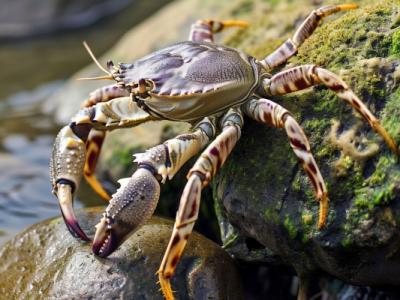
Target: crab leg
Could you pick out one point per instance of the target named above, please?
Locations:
(273, 114)
(199, 176)
(137, 197)
(96, 137)
(203, 30)
(69, 151)
(305, 76)
(290, 46)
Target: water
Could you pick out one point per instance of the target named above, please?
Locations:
(34, 70)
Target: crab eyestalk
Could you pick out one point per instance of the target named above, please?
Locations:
(66, 168)
(132, 204)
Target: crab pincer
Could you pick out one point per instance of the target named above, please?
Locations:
(66, 169)
(132, 204)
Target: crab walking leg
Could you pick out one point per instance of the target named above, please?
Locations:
(69, 151)
(199, 176)
(167, 159)
(305, 76)
(104, 94)
(203, 30)
(290, 46)
(96, 137)
(273, 114)
(137, 197)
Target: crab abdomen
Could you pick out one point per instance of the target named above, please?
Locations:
(192, 80)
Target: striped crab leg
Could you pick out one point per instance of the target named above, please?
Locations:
(305, 76)
(95, 139)
(136, 199)
(271, 113)
(203, 30)
(290, 46)
(199, 176)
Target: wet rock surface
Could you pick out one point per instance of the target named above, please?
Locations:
(46, 262)
(272, 202)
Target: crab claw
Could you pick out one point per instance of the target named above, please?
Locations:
(132, 204)
(64, 195)
(66, 168)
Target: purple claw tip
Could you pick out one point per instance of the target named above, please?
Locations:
(74, 228)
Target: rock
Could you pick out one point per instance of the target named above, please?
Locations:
(46, 262)
(265, 196)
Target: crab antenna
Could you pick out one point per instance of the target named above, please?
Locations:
(96, 78)
(94, 58)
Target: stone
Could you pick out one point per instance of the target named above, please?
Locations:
(272, 201)
(46, 262)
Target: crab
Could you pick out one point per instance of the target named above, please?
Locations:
(208, 85)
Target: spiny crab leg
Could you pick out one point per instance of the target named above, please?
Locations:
(305, 76)
(273, 114)
(290, 46)
(69, 151)
(136, 199)
(199, 176)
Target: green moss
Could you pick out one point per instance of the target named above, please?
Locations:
(379, 176)
(370, 198)
(341, 42)
(123, 157)
(290, 227)
(271, 215)
(391, 115)
(395, 47)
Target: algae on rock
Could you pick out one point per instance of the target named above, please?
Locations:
(272, 200)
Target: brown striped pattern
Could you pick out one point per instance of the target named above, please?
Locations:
(273, 114)
(201, 31)
(104, 94)
(305, 76)
(199, 176)
(290, 46)
(93, 148)
(280, 55)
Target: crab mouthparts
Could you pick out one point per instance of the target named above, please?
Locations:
(64, 195)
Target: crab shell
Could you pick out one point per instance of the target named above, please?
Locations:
(192, 80)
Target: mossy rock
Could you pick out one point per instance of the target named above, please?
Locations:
(263, 194)
(46, 262)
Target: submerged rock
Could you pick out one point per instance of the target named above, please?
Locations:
(46, 262)
(272, 201)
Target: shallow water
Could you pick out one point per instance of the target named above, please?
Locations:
(35, 69)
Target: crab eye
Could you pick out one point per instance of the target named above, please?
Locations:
(110, 64)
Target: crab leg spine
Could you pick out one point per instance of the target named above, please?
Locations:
(271, 113)
(199, 176)
(290, 46)
(305, 76)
